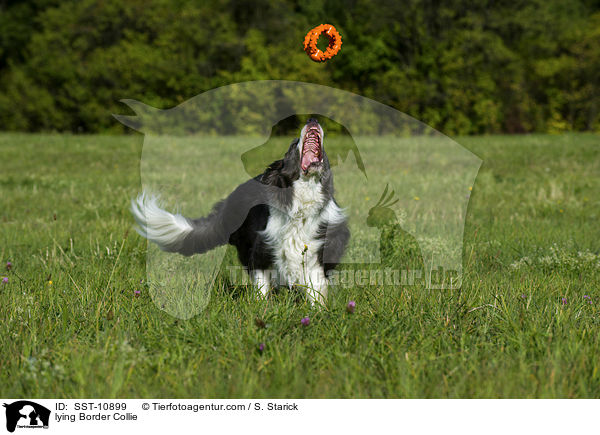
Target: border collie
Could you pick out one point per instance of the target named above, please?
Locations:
(285, 223)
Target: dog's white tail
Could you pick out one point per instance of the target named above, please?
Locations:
(177, 233)
(167, 230)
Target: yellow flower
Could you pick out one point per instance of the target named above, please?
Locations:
(49, 282)
(417, 198)
(470, 187)
(561, 210)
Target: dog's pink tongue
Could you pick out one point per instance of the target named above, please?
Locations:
(307, 158)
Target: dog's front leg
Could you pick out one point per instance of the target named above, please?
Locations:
(317, 287)
(262, 281)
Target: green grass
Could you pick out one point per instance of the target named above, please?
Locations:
(531, 239)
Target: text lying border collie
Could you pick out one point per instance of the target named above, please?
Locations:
(283, 222)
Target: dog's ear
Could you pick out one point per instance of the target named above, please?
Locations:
(280, 175)
(293, 150)
(285, 167)
(291, 162)
(271, 175)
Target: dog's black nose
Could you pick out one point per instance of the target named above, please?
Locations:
(311, 120)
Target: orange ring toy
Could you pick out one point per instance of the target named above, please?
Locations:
(311, 38)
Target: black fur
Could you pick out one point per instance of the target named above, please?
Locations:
(239, 219)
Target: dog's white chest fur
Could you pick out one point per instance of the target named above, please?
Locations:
(292, 234)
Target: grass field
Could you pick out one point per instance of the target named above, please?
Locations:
(77, 319)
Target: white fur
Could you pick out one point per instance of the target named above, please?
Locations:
(159, 226)
(263, 280)
(292, 234)
(333, 214)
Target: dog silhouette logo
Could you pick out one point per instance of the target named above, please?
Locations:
(191, 160)
(26, 414)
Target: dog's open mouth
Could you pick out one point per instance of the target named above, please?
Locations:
(312, 141)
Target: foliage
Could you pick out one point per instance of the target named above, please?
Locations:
(462, 67)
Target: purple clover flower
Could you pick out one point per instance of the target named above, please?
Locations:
(351, 306)
(305, 321)
(261, 347)
(586, 297)
(5, 280)
(8, 265)
(564, 301)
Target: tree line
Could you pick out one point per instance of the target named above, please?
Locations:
(462, 67)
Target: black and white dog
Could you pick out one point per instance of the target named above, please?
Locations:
(285, 223)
